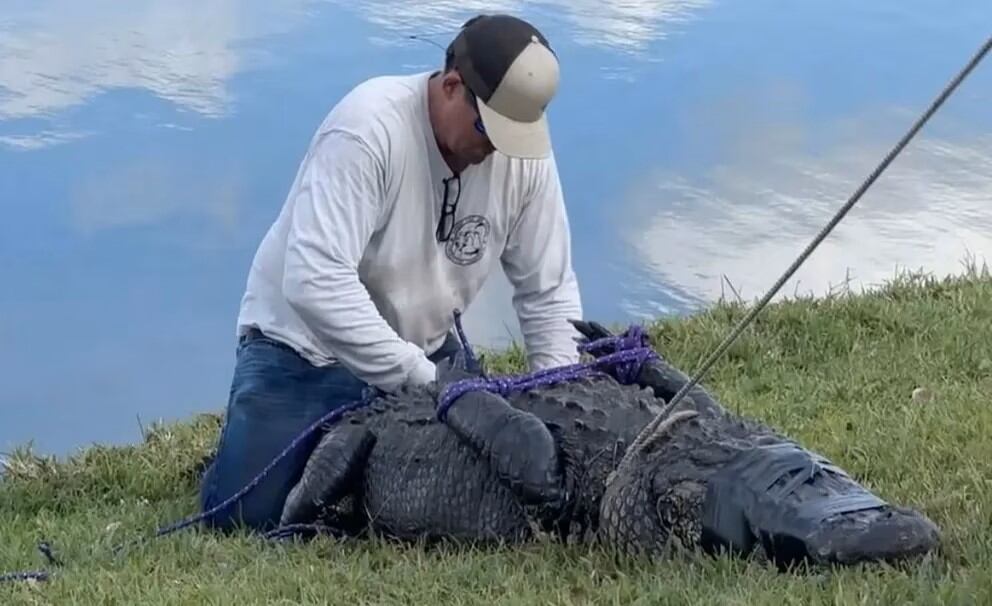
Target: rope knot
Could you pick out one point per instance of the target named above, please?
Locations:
(634, 337)
(634, 340)
(622, 356)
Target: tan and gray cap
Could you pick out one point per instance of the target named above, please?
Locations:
(510, 67)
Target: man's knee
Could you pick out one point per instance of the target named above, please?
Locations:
(252, 441)
(265, 414)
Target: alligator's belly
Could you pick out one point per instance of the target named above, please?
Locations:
(427, 484)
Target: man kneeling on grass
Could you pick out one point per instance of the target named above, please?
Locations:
(398, 213)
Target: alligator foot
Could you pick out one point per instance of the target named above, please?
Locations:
(798, 506)
(329, 473)
(518, 446)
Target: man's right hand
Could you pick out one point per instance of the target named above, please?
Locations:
(423, 374)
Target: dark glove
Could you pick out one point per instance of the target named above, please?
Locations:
(591, 331)
(455, 368)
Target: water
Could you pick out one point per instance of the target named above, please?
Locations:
(146, 146)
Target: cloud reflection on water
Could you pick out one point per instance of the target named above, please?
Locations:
(202, 107)
(748, 219)
(59, 54)
(617, 25)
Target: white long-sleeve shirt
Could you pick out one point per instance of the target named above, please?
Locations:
(351, 272)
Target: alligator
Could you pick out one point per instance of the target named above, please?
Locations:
(599, 458)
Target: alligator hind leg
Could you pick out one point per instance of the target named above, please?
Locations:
(329, 473)
(518, 446)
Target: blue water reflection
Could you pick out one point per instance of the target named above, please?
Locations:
(145, 149)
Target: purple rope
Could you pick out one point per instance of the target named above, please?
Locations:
(625, 353)
(33, 575)
(634, 337)
(24, 576)
(330, 417)
(470, 360)
(288, 530)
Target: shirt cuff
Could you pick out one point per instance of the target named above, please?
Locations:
(424, 372)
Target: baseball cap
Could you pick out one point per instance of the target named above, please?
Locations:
(510, 67)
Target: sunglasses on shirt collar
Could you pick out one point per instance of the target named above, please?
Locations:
(446, 223)
(475, 103)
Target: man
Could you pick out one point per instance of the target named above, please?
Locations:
(398, 213)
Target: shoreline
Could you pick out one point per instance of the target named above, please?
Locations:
(841, 374)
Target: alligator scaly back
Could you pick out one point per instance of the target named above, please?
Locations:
(498, 468)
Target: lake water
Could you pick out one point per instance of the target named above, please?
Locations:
(145, 146)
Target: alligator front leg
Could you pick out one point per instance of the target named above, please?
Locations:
(664, 379)
(517, 445)
(329, 473)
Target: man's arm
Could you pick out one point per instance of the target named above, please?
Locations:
(538, 264)
(335, 212)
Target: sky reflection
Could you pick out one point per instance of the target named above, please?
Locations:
(746, 223)
(145, 149)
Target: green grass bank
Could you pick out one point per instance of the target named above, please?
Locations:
(837, 373)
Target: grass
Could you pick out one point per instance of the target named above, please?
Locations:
(836, 372)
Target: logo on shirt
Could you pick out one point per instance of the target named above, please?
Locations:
(468, 240)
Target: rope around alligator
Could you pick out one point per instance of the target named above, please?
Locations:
(628, 352)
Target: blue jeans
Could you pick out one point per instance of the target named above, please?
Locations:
(275, 395)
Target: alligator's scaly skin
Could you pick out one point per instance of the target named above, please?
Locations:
(495, 473)
(672, 480)
(421, 479)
